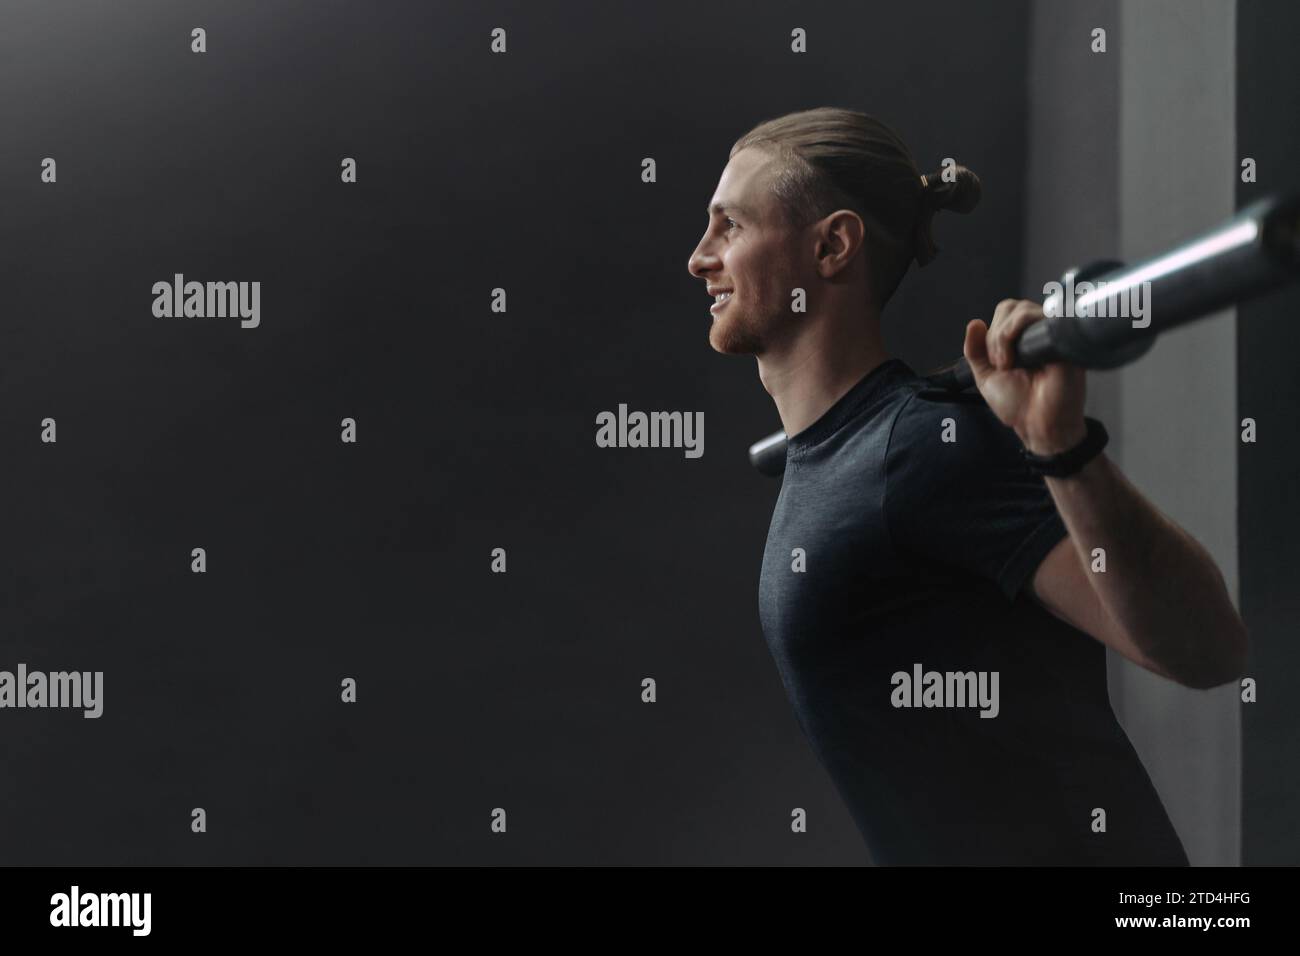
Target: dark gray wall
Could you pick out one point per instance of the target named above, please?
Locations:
(1268, 471)
(476, 429)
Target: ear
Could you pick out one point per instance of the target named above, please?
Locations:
(840, 236)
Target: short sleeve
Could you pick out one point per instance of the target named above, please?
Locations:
(971, 502)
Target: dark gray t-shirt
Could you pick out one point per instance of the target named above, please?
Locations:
(916, 556)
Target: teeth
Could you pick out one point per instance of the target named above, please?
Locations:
(722, 296)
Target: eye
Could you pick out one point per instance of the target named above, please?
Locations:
(732, 222)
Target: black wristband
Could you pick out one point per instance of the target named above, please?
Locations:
(1069, 461)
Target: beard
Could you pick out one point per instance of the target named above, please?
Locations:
(735, 333)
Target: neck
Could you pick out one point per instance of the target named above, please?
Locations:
(808, 374)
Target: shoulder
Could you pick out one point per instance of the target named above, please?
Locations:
(935, 428)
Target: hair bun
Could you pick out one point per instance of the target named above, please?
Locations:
(960, 195)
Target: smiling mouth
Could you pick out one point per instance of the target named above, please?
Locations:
(720, 303)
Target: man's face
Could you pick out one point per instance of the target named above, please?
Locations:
(749, 250)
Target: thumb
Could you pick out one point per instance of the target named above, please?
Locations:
(976, 352)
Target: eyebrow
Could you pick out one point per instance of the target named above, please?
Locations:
(721, 207)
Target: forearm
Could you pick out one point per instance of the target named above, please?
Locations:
(1160, 586)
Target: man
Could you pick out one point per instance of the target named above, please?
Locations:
(912, 539)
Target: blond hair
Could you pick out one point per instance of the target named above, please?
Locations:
(832, 158)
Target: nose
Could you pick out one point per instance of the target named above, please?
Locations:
(701, 261)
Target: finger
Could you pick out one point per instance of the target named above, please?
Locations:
(975, 350)
(1003, 349)
(1000, 314)
(1005, 306)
